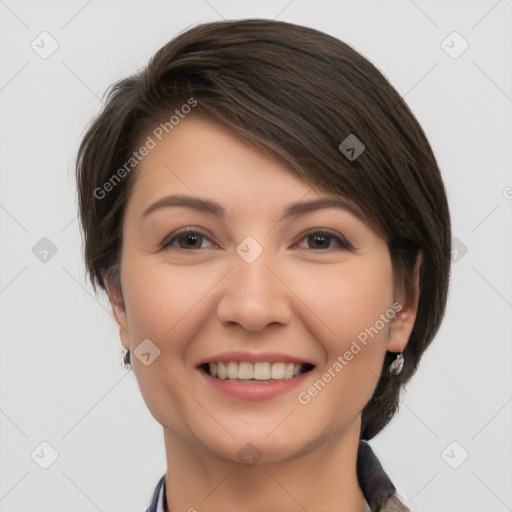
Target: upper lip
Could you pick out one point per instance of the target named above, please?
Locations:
(255, 357)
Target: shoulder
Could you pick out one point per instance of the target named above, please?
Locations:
(158, 502)
(394, 504)
(377, 487)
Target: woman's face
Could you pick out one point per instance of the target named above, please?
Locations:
(253, 278)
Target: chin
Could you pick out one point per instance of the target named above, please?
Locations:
(256, 447)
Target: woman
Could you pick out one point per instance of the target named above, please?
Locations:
(272, 229)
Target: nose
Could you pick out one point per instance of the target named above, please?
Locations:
(254, 295)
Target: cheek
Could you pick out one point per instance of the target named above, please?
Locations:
(159, 306)
(350, 304)
(157, 299)
(167, 305)
(349, 299)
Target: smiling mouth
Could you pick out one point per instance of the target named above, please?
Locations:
(244, 371)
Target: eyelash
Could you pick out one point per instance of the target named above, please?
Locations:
(167, 243)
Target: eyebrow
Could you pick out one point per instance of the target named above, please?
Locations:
(214, 208)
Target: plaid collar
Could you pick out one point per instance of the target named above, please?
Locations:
(377, 488)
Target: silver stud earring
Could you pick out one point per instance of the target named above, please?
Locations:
(396, 367)
(126, 358)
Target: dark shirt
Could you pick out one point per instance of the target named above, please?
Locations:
(377, 488)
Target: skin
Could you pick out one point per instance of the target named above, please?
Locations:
(294, 298)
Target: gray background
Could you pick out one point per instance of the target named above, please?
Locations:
(61, 377)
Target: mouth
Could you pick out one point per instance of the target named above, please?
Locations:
(259, 372)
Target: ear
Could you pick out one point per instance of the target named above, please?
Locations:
(115, 295)
(407, 308)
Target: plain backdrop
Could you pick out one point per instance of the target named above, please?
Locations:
(61, 380)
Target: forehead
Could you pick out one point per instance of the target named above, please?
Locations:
(200, 158)
(207, 152)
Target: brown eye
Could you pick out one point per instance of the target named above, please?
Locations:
(323, 239)
(193, 240)
(186, 239)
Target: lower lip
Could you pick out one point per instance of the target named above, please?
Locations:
(253, 391)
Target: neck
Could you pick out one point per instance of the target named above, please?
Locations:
(322, 477)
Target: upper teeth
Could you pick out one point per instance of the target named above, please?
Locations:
(259, 371)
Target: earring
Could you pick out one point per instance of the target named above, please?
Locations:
(396, 367)
(126, 358)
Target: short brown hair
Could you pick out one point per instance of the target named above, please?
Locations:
(294, 93)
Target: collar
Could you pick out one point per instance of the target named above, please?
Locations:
(377, 488)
